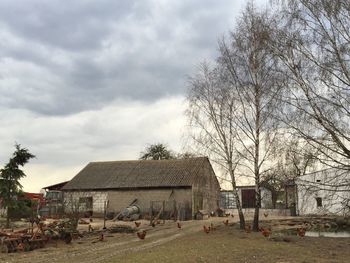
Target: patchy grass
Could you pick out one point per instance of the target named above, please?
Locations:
(228, 244)
(167, 243)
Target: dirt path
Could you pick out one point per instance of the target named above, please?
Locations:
(88, 249)
(167, 242)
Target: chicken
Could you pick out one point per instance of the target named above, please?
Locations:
(226, 222)
(90, 229)
(137, 224)
(206, 229)
(266, 214)
(232, 215)
(153, 224)
(266, 232)
(178, 225)
(20, 247)
(248, 228)
(90, 219)
(141, 235)
(101, 238)
(158, 221)
(301, 232)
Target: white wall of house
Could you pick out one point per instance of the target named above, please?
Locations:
(323, 193)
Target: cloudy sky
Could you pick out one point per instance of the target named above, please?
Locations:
(99, 80)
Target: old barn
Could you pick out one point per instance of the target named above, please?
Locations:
(182, 187)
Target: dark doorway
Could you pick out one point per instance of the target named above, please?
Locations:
(248, 198)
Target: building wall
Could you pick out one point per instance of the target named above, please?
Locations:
(228, 201)
(118, 199)
(71, 199)
(326, 186)
(206, 191)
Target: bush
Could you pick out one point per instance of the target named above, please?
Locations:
(22, 209)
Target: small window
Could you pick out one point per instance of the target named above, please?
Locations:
(318, 181)
(319, 201)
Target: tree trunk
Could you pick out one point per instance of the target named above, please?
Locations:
(256, 160)
(236, 196)
(7, 217)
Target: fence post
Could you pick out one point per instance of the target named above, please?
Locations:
(151, 213)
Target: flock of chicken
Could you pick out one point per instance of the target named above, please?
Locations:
(265, 231)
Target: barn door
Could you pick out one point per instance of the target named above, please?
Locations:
(198, 201)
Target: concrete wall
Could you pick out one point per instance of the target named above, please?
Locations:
(319, 185)
(121, 199)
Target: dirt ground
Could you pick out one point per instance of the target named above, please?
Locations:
(167, 243)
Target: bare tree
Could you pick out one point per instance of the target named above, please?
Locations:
(211, 111)
(313, 43)
(295, 158)
(252, 71)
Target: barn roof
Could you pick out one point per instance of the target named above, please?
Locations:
(139, 174)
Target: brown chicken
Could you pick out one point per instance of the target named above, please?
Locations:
(226, 222)
(137, 224)
(158, 222)
(178, 225)
(266, 232)
(266, 214)
(20, 247)
(248, 228)
(153, 224)
(301, 232)
(206, 229)
(141, 235)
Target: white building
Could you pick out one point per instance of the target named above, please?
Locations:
(324, 192)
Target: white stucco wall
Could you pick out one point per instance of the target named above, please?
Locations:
(329, 185)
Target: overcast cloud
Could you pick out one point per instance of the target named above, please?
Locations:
(98, 80)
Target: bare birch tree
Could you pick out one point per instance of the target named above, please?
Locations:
(253, 74)
(212, 108)
(313, 42)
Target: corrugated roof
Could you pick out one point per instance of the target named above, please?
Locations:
(139, 174)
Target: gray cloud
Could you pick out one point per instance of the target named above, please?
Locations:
(98, 80)
(61, 58)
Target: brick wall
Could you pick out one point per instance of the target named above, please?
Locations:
(98, 199)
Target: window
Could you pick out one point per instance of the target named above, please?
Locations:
(227, 200)
(87, 202)
(319, 201)
(318, 181)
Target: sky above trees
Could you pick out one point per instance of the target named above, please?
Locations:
(99, 80)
